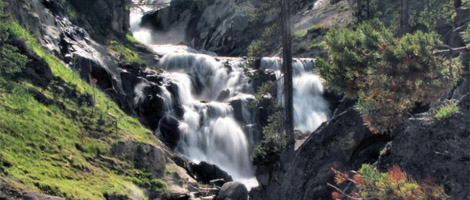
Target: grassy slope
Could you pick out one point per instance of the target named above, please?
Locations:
(61, 149)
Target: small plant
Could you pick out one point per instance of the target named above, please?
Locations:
(447, 111)
(369, 183)
(125, 54)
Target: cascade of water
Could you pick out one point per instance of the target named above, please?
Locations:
(310, 108)
(206, 85)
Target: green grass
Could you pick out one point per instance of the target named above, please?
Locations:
(125, 54)
(130, 38)
(446, 111)
(61, 148)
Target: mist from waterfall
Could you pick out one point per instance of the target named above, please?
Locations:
(206, 84)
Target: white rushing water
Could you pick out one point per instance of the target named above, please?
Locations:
(206, 84)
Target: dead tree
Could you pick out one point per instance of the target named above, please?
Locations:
(287, 70)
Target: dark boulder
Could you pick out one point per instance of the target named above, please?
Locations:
(93, 72)
(169, 131)
(233, 191)
(434, 149)
(340, 143)
(206, 172)
(144, 156)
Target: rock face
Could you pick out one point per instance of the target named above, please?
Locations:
(233, 191)
(214, 25)
(342, 143)
(145, 156)
(104, 16)
(431, 149)
(206, 172)
(8, 191)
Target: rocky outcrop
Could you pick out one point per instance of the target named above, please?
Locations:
(10, 191)
(144, 156)
(214, 25)
(206, 172)
(342, 143)
(435, 150)
(103, 16)
(233, 191)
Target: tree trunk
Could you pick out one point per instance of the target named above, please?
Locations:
(457, 4)
(287, 70)
(405, 17)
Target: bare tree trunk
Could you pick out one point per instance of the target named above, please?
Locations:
(457, 4)
(405, 17)
(287, 70)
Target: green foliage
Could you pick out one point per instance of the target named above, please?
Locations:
(265, 43)
(154, 185)
(466, 36)
(273, 143)
(394, 184)
(262, 91)
(386, 75)
(131, 39)
(12, 62)
(125, 54)
(423, 13)
(446, 111)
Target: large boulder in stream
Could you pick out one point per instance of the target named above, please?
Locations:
(206, 172)
(233, 191)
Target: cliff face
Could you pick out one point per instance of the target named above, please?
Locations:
(222, 26)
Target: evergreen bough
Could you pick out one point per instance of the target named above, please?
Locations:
(387, 75)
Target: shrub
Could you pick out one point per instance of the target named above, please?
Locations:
(387, 75)
(11, 61)
(272, 144)
(394, 184)
(446, 111)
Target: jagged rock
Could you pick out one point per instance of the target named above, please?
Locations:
(145, 156)
(339, 143)
(92, 70)
(206, 172)
(431, 149)
(33, 195)
(104, 16)
(233, 191)
(169, 131)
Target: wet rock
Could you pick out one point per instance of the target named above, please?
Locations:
(206, 172)
(169, 131)
(233, 191)
(94, 72)
(223, 95)
(145, 156)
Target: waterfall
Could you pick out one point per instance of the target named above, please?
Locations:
(310, 108)
(203, 85)
(208, 129)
